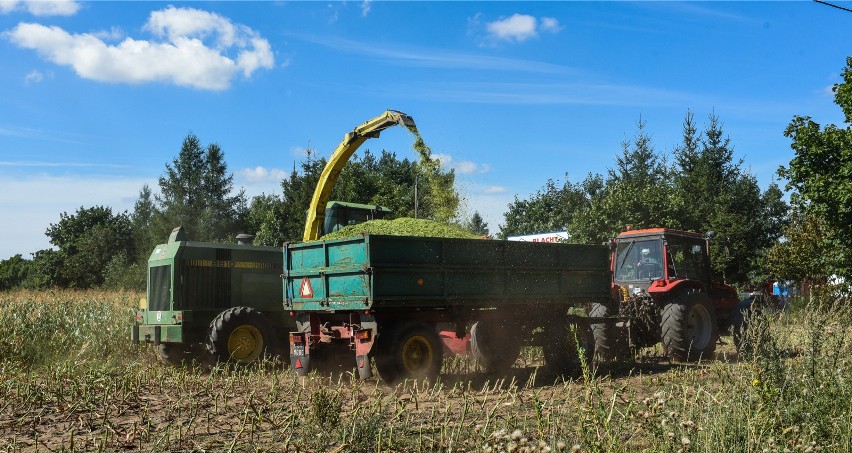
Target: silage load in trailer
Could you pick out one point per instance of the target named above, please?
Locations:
(404, 226)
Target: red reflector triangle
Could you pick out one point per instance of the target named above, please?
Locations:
(298, 363)
(306, 291)
(361, 362)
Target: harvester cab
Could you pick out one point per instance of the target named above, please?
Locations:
(339, 214)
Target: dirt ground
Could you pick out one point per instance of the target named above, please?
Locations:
(198, 410)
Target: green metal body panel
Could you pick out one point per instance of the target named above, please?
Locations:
(403, 272)
(190, 283)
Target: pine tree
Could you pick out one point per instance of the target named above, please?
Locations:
(196, 193)
(477, 225)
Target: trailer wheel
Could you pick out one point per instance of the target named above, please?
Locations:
(409, 351)
(689, 327)
(488, 348)
(611, 342)
(560, 346)
(241, 335)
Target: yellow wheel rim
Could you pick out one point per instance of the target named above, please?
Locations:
(245, 343)
(417, 355)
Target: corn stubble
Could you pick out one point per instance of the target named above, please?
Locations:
(72, 380)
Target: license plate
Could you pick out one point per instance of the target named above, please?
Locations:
(299, 349)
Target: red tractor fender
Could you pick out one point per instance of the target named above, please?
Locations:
(661, 288)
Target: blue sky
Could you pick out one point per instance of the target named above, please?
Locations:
(96, 97)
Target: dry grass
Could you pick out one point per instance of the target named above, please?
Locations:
(73, 381)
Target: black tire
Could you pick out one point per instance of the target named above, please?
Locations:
(611, 342)
(409, 351)
(491, 351)
(560, 347)
(241, 335)
(689, 327)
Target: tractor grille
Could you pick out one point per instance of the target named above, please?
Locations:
(206, 286)
(159, 287)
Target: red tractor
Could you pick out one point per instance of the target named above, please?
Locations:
(666, 294)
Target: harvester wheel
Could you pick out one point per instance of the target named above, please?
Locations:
(611, 342)
(409, 351)
(689, 327)
(561, 348)
(241, 335)
(491, 351)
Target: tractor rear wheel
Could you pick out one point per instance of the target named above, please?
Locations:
(409, 351)
(689, 327)
(241, 335)
(490, 350)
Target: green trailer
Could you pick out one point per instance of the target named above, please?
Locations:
(384, 296)
(213, 299)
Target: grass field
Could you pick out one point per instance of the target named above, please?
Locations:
(73, 381)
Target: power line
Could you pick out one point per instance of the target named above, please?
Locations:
(833, 5)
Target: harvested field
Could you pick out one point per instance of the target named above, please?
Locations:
(72, 380)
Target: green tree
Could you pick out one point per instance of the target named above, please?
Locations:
(477, 225)
(86, 242)
(262, 220)
(196, 192)
(712, 192)
(804, 254)
(552, 208)
(14, 272)
(820, 174)
(636, 193)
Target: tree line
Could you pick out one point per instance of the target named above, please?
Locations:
(700, 187)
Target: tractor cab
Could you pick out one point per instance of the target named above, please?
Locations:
(658, 257)
(659, 263)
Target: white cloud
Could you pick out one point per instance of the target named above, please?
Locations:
(261, 174)
(550, 24)
(495, 189)
(41, 7)
(182, 56)
(365, 8)
(33, 77)
(521, 27)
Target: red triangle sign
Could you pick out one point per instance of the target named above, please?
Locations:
(298, 364)
(306, 291)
